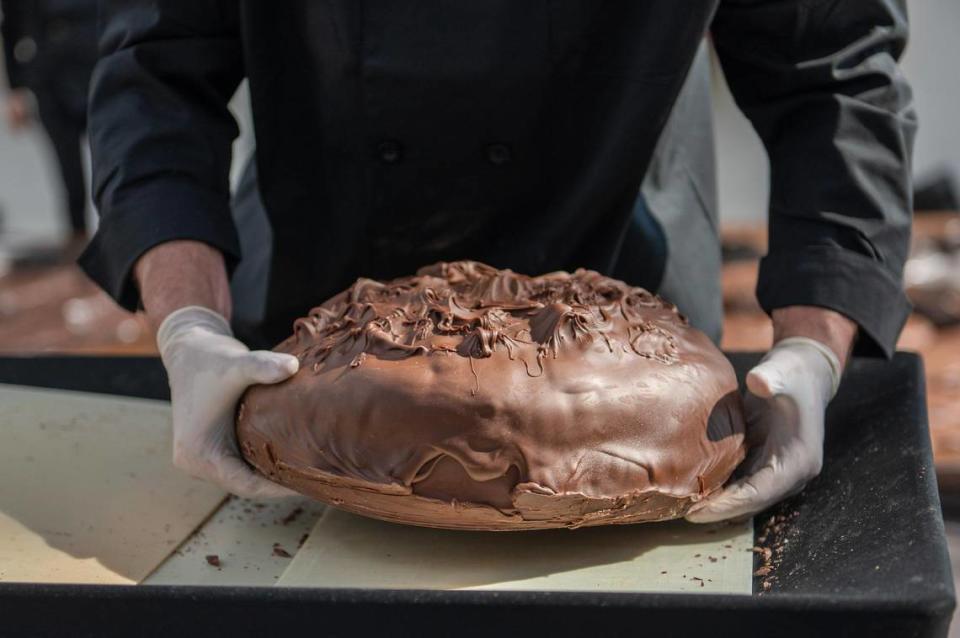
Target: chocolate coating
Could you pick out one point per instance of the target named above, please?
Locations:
(476, 398)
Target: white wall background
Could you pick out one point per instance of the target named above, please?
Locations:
(30, 195)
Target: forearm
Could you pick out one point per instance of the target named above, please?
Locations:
(182, 273)
(826, 326)
(820, 83)
(159, 179)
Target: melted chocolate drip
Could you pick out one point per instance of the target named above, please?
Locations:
(471, 397)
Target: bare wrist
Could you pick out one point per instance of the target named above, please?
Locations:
(182, 273)
(829, 327)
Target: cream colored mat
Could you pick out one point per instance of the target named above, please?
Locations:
(345, 550)
(88, 493)
(253, 542)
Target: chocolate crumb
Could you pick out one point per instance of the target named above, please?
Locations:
(213, 560)
(279, 551)
(292, 516)
(663, 572)
(770, 547)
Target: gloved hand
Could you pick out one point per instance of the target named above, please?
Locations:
(788, 394)
(208, 371)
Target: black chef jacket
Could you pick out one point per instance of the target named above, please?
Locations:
(393, 134)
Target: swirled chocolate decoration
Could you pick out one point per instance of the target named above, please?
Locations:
(476, 398)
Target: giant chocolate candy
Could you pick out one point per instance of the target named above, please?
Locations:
(475, 398)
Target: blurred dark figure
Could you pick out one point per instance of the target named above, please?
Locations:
(50, 48)
(936, 190)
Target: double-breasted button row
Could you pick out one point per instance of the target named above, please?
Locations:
(391, 152)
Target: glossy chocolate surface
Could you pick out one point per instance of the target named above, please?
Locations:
(470, 397)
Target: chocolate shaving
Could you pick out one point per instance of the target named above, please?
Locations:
(771, 541)
(292, 516)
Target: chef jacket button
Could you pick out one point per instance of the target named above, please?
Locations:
(389, 151)
(498, 154)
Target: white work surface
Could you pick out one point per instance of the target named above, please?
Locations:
(345, 550)
(88, 495)
(242, 535)
(87, 490)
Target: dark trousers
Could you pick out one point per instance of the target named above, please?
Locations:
(65, 121)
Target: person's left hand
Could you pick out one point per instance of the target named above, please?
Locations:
(18, 109)
(788, 395)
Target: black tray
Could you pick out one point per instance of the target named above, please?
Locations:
(865, 552)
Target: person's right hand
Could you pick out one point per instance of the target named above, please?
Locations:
(208, 371)
(18, 109)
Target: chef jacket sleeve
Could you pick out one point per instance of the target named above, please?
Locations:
(160, 133)
(11, 30)
(819, 81)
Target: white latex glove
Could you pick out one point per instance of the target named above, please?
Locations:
(208, 371)
(788, 394)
